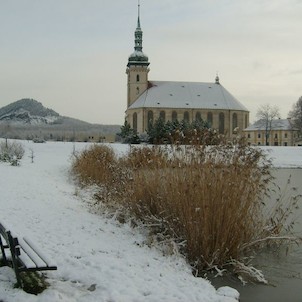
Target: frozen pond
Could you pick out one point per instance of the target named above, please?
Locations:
(284, 272)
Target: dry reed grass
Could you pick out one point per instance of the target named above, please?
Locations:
(207, 199)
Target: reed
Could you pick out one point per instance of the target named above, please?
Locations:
(208, 200)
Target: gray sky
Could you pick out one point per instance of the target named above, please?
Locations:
(71, 55)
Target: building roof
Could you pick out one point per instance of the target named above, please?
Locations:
(187, 95)
(277, 124)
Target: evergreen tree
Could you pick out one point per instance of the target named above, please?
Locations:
(128, 134)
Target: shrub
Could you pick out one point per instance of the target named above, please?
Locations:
(11, 152)
(95, 165)
(99, 166)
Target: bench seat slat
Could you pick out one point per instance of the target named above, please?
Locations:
(26, 261)
(32, 254)
(45, 259)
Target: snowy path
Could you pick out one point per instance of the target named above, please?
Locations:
(97, 259)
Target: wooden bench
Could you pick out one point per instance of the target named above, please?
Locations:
(22, 254)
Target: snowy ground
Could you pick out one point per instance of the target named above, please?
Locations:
(97, 258)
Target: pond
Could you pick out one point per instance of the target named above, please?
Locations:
(282, 270)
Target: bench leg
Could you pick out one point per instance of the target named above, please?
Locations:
(13, 250)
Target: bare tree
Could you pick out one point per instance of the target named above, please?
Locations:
(296, 114)
(267, 114)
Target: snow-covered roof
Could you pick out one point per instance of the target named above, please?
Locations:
(277, 124)
(191, 95)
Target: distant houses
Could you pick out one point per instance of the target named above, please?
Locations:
(278, 132)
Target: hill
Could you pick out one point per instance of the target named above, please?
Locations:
(28, 119)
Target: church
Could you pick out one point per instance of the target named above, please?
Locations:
(149, 100)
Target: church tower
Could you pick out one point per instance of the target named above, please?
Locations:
(137, 67)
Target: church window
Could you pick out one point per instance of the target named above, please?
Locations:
(162, 116)
(210, 119)
(221, 123)
(174, 116)
(134, 121)
(198, 117)
(137, 90)
(150, 119)
(186, 117)
(137, 78)
(235, 121)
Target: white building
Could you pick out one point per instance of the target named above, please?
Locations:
(168, 100)
(280, 132)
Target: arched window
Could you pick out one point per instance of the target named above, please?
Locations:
(186, 117)
(198, 117)
(137, 78)
(134, 121)
(137, 90)
(174, 116)
(221, 123)
(210, 119)
(150, 119)
(162, 116)
(235, 121)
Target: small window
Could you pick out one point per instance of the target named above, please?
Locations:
(259, 135)
(285, 143)
(235, 121)
(285, 135)
(210, 119)
(174, 116)
(198, 117)
(186, 117)
(150, 119)
(134, 121)
(137, 90)
(137, 78)
(221, 123)
(162, 116)
(276, 135)
(248, 136)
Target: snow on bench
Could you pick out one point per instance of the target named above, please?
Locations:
(24, 255)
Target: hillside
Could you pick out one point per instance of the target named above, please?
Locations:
(28, 119)
(28, 111)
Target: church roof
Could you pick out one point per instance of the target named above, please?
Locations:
(187, 95)
(277, 124)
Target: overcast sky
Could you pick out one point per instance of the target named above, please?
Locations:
(71, 55)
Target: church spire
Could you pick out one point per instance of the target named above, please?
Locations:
(138, 57)
(138, 32)
(138, 14)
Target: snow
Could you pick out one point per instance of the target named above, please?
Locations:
(98, 259)
(284, 157)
